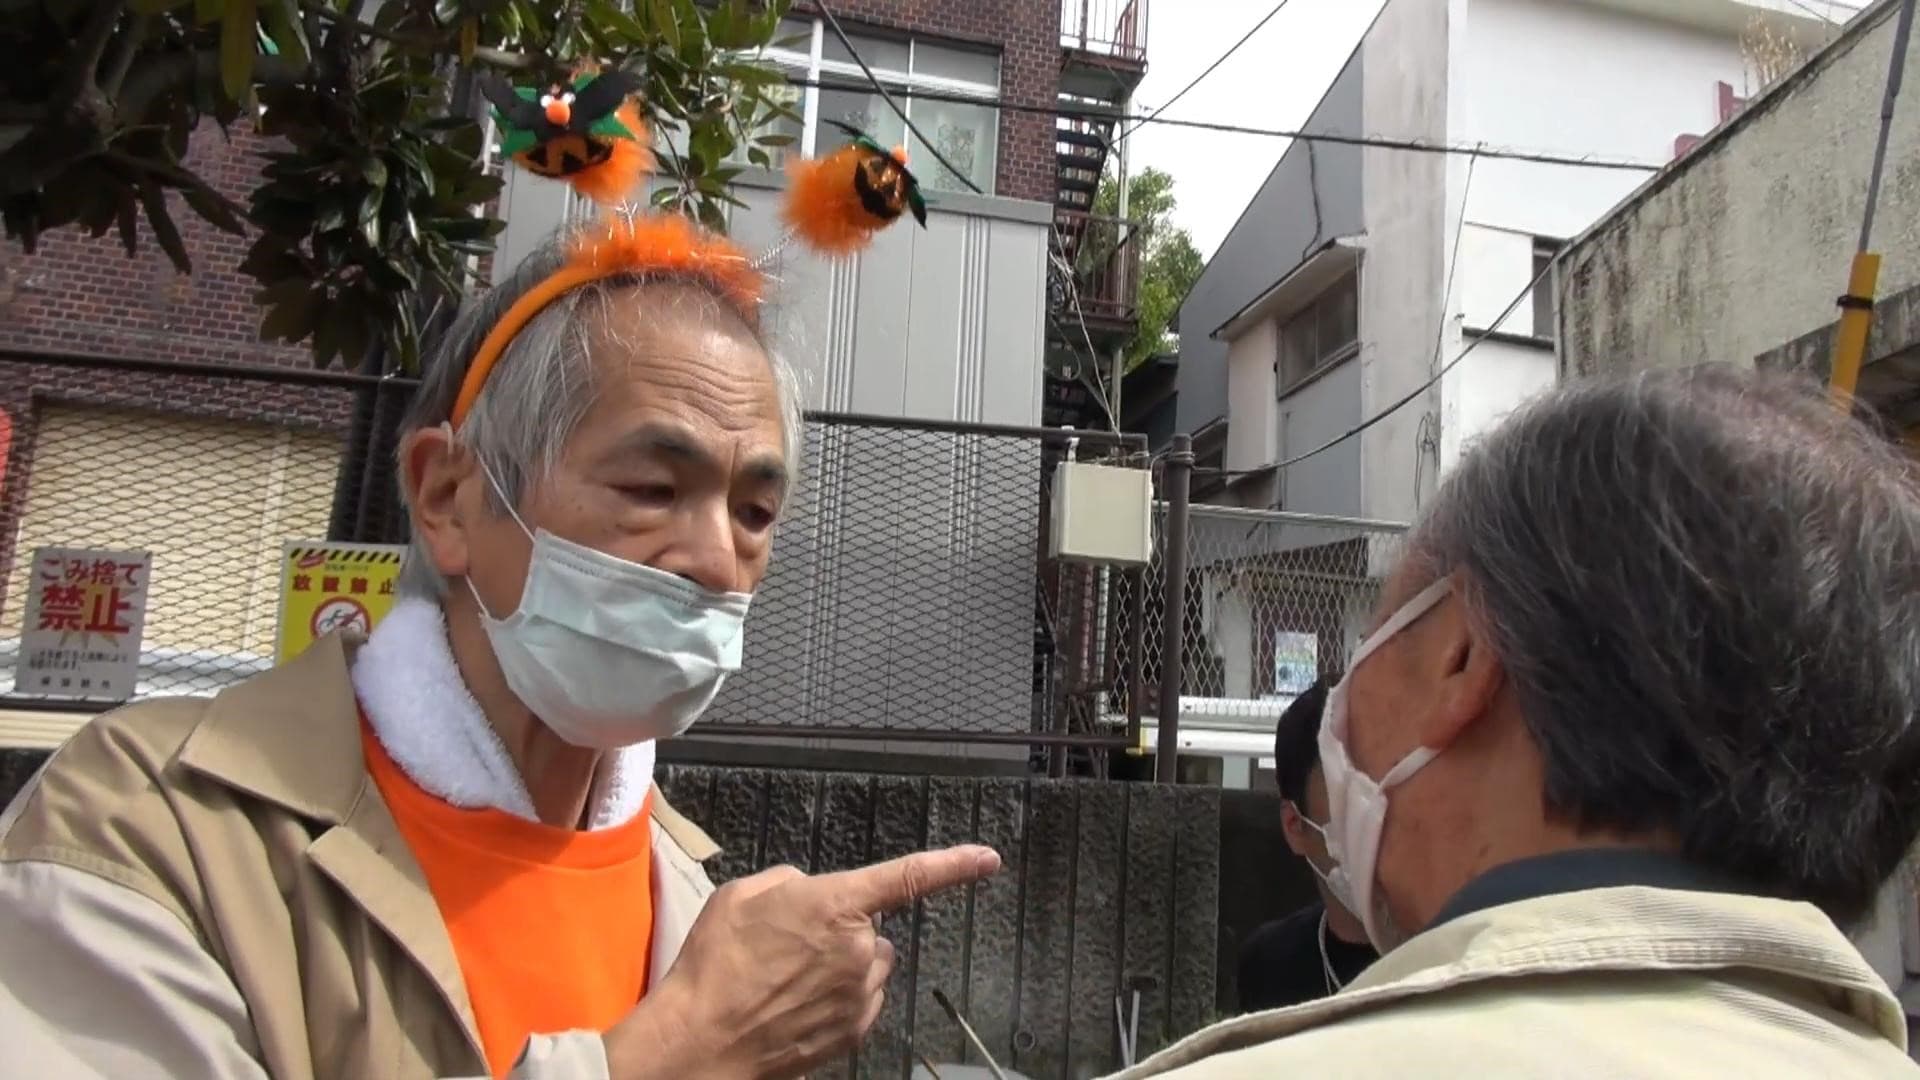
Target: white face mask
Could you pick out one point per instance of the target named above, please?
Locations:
(1334, 880)
(609, 653)
(1357, 804)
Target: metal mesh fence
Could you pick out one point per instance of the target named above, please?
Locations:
(909, 597)
(205, 474)
(1274, 600)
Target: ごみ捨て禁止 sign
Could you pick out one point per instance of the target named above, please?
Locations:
(86, 609)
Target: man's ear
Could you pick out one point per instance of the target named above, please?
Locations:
(432, 469)
(1468, 676)
(1292, 829)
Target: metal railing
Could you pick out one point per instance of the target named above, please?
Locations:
(1108, 28)
(910, 596)
(1105, 254)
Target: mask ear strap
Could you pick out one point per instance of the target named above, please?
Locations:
(494, 483)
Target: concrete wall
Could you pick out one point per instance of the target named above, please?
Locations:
(1743, 245)
(1312, 415)
(914, 326)
(1313, 195)
(1406, 96)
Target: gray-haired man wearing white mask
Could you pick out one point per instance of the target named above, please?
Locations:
(1635, 732)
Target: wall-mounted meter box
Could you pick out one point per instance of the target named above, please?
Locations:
(1102, 514)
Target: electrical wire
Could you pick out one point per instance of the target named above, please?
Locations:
(1824, 17)
(1363, 425)
(1197, 79)
(874, 81)
(1421, 146)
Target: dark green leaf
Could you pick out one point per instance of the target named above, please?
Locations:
(326, 340)
(215, 208)
(161, 222)
(759, 157)
(237, 47)
(285, 29)
(154, 7)
(370, 215)
(665, 22)
(130, 221)
(777, 138)
(269, 260)
(292, 318)
(374, 172)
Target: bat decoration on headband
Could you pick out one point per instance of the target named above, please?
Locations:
(586, 133)
(836, 203)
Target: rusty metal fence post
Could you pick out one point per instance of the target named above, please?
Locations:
(1178, 477)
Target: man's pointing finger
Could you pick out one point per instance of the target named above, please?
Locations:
(897, 883)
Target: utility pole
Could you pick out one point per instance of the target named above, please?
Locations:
(1856, 307)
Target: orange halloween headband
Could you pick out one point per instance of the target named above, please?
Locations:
(589, 135)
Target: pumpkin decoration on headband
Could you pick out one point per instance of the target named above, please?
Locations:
(588, 133)
(838, 202)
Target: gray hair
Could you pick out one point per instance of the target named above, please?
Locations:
(543, 384)
(1704, 587)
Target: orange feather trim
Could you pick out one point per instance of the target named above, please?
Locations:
(823, 205)
(662, 246)
(669, 245)
(613, 181)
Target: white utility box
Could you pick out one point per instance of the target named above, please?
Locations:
(1102, 514)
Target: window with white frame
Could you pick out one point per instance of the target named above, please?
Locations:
(966, 132)
(1324, 332)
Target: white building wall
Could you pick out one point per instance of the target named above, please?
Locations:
(1405, 96)
(1253, 437)
(1578, 78)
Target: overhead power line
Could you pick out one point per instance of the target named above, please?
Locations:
(1419, 146)
(1370, 421)
(1197, 79)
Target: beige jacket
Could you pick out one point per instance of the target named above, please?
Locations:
(1607, 984)
(213, 888)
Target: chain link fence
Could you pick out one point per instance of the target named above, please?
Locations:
(910, 595)
(1274, 600)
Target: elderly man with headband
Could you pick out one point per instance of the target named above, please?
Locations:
(439, 852)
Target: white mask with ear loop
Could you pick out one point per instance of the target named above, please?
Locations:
(1357, 803)
(1334, 880)
(610, 653)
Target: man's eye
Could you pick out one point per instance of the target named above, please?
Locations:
(758, 518)
(649, 494)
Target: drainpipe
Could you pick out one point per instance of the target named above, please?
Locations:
(1120, 350)
(1856, 307)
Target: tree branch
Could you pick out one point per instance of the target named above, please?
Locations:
(130, 42)
(155, 75)
(91, 45)
(484, 54)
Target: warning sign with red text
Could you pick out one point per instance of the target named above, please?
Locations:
(85, 612)
(329, 587)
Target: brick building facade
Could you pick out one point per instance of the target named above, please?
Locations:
(1028, 37)
(134, 318)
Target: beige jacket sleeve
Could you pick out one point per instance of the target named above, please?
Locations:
(100, 982)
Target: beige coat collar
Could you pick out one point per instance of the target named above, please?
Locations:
(1630, 928)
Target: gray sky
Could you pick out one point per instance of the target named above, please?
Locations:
(1274, 81)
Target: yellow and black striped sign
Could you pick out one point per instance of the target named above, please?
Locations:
(333, 588)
